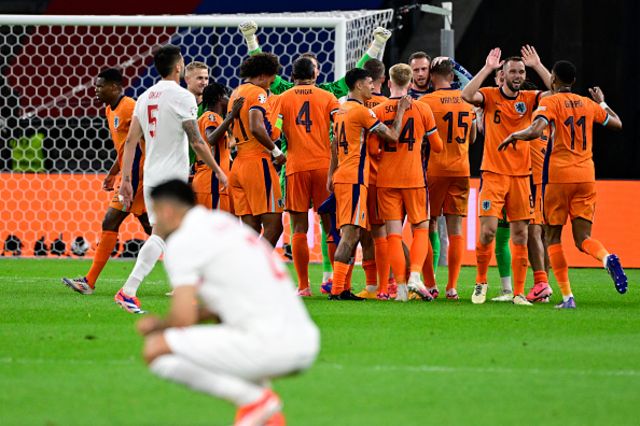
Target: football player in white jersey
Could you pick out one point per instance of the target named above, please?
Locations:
(264, 330)
(166, 116)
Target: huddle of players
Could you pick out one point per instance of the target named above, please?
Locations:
(376, 171)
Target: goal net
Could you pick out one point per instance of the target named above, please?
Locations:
(56, 147)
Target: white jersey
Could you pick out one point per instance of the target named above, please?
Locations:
(239, 277)
(161, 110)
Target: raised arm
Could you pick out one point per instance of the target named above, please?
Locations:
(613, 122)
(203, 151)
(471, 92)
(248, 30)
(129, 152)
(257, 129)
(532, 60)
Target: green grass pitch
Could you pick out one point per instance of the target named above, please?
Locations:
(67, 359)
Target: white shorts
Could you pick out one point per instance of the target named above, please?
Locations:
(148, 204)
(240, 354)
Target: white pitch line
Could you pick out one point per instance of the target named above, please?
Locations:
(483, 370)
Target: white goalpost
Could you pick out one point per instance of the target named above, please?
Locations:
(56, 143)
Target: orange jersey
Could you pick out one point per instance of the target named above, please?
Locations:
(538, 149)
(401, 165)
(569, 156)
(255, 98)
(352, 124)
(273, 112)
(374, 158)
(454, 119)
(376, 100)
(306, 112)
(504, 115)
(210, 120)
(119, 120)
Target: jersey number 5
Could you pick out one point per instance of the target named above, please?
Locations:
(304, 117)
(152, 117)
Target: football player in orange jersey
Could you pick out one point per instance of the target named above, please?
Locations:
(257, 199)
(448, 171)
(119, 110)
(213, 128)
(306, 112)
(376, 263)
(349, 170)
(569, 172)
(505, 178)
(402, 187)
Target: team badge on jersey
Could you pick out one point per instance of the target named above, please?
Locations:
(262, 98)
(116, 121)
(521, 107)
(486, 205)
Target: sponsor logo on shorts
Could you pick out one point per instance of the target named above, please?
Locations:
(521, 107)
(486, 205)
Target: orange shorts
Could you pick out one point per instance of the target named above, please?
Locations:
(351, 205)
(255, 187)
(538, 214)
(372, 205)
(224, 201)
(306, 189)
(448, 195)
(137, 207)
(573, 200)
(513, 193)
(394, 203)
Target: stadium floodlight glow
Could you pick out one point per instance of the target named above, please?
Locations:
(58, 140)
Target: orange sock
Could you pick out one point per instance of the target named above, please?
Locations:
(370, 272)
(300, 251)
(428, 274)
(396, 258)
(519, 265)
(340, 271)
(456, 249)
(483, 257)
(540, 277)
(419, 249)
(347, 283)
(560, 268)
(594, 248)
(382, 263)
(107, 242)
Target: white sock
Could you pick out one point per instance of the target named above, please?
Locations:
(565, 298)
(604, 261)
(452, 291)
(326, 276)
(181, 370)
(506, 284)
(372, 288)
(414, 276)
(147, 258)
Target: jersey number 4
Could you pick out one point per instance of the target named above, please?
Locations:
(341, 137)
(152, 118)
(304, 117)
(448, 117)
(407, 135)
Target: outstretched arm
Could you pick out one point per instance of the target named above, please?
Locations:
(531, 59)
(532, 132)
(392, 134)
(471, 93)
(248, 30)
(214, 136)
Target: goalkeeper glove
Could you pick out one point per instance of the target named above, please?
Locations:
(248, 30)
(380, 37)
